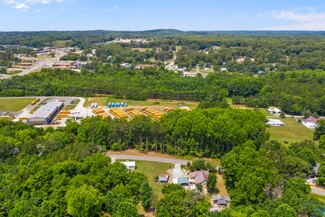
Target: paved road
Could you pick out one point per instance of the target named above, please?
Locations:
(43, 63)
(148, 158)
(317, 191)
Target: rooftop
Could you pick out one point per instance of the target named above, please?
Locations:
(274, 122)
(46, 110)
(183, 181)
(200, 176)
(311, 120)
(129, 163)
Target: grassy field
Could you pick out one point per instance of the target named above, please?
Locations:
(102, 101)
(151, 170)
(291, 132)
(72, 106)
(321, 198)
(14, 105)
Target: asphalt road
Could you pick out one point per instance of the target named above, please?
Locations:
(148, 158)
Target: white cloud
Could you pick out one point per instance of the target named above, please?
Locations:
(305, 20)
(23, 5)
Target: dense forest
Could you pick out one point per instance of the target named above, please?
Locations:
(270, 181)
(294, 92)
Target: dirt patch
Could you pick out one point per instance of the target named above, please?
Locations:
(221, 185)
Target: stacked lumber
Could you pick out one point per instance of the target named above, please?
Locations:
(100, 112)
(168, 109)
(119, 113)
(133, 112)
(63, 114)
(154, 113)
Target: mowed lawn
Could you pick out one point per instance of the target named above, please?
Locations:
(103, 101)
(151, 170)
(14, 105)
(291, 132)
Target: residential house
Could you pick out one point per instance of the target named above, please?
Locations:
(310, 122)
(200, 177)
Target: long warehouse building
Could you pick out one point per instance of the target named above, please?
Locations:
(46, 113)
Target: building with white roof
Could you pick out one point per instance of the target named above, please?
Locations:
(46, 113)
(130, 165)
(275, 123)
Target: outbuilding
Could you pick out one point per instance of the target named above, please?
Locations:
(130, 165)
(183, 181)
(275, 123)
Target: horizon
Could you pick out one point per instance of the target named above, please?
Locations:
(153, 30)
(143, 15)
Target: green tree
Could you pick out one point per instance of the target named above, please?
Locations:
(146, 195)
(126, 209)
(320, 130)
(285, 210)
(211, 183)
(84, 201)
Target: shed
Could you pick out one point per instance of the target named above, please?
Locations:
(183, 181)
(130, 165)
(275, 123)
(222, 203)
(163, 178)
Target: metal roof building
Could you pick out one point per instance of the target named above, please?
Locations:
(46, 113)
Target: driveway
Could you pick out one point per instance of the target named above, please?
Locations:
(148, 158)
(177, 172)
(317, 191)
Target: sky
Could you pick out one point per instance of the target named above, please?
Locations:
(40, 15)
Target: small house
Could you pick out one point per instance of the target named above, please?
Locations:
(310, 122)
(221, 200)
